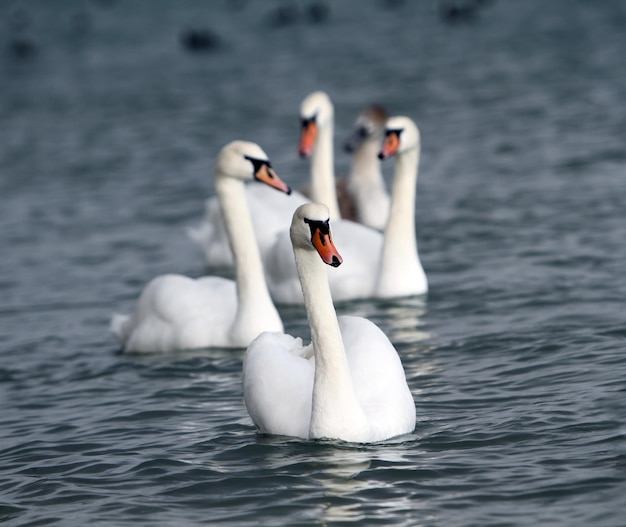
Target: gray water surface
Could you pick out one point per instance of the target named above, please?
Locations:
(108, 135)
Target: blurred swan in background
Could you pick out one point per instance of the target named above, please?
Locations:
(377, 265)
(177, 312)
(271, 213)
(360, 197)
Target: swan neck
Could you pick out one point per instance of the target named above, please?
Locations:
(318, 303)
(401, 215)
(399, 253)
(334, 404)
(365, 164)
(323, 171)
(252, 289)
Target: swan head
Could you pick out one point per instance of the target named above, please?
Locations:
(316, 111)
(310, 230)
(247, 161)
(401, 135)
(369, 126)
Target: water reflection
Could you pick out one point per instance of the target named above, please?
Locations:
(340, 468)
(399, 318)
(339, 477)
(350, 473)
(339, 481)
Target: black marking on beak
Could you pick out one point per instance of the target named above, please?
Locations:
(306, 121)
(259, 163)
(388, 132)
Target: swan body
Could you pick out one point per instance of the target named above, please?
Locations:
(176, 312)
(349, 383)
(377, 265)
(365, 186)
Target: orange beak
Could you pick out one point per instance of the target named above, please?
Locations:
(265, 174)
(390, 144)
(307, 137)
(323, 243)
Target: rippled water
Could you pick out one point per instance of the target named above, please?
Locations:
(516, 359)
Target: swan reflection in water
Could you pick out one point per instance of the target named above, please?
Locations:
(400, 318)
(345, 475)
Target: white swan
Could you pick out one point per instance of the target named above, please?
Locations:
(349, 384)
(176, 312)
(401, 272)
(365, 191)
(377, 264)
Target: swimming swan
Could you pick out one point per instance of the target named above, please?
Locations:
(377, 265)
(176, 312)
(349, 383)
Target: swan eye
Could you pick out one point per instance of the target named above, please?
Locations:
(363, 132)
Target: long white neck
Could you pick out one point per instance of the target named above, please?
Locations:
(367, 186)
(336, 412)
(401, 271)
(365, 166)
(255, 307)
(323, 171)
